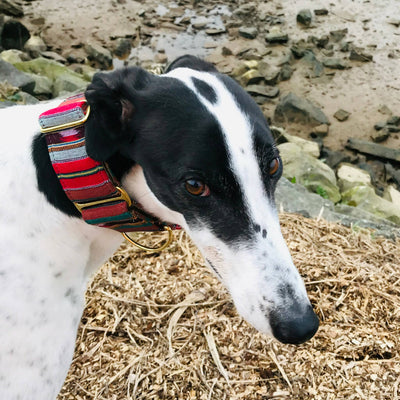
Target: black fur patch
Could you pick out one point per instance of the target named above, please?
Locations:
(205, 90)
(47, 180)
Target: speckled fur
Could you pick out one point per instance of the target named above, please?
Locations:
(44, 269)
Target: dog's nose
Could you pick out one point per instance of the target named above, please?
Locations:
(294, 329)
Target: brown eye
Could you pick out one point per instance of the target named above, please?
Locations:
(274, 166)
(197, 188)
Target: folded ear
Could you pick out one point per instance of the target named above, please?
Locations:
(192, 62)
(111, 99)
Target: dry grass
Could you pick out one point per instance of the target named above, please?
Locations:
(162, 327)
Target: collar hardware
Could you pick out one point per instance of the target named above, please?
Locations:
(89, 184)
(122, 196)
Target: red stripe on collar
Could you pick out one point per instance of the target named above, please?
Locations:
(88, 183)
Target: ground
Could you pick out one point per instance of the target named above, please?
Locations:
(361, 90)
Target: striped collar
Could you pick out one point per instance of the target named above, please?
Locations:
(90, 184)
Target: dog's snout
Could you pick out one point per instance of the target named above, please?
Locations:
(294, 329)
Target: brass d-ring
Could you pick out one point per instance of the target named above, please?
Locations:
(151, 249)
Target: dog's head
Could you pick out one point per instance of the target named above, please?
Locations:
(194, 148)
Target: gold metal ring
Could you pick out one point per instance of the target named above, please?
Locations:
(151, 249)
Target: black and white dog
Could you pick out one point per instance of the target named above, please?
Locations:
(195, 150)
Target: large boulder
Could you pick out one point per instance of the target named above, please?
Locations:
(101, 56)
(63, 79)
(365, 198)
(350, 176)
(12, 8)
(16, 78)
(294, 198)
(295, 109)
(310, 172)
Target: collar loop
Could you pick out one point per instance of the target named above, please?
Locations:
(90, 184)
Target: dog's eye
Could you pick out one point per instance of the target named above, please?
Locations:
(274, 166)
(197, 188)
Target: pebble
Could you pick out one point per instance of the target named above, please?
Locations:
(320, 131)
(248, 32)
(338, 35)
(359, 55)
(277, 36)
(286, 73)
(380, 135)
(341, 115)
(264, 91)
(304, 17)
(321, 11)
(335, 63)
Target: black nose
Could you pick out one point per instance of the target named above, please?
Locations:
(294, 328)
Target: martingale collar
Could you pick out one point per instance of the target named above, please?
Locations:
(90, 184)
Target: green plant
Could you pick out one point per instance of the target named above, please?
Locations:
(322, 192)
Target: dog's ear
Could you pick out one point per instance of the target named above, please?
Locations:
(191, 62)
(111, 99)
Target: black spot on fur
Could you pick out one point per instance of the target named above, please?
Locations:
(205, 90)
(264, 233)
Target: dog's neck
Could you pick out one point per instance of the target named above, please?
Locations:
(49, 184)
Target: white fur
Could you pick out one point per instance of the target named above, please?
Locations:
(46, 261)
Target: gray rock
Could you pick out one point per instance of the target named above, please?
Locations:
(306, 146)
(14, 35)
(359, 55)
(264, 91)
(250, 77)
(43, 86)
(316, 68)
(35, 46)
(335, 63)
(310, 172)
(333, 158)
(276, 36)
(295, 109)
(7, 103)
(285, 73)
(341, 115)
(99, 55)
(13, 56)
(52, 55)
(392, 128)
(123, 47)
(380, 135)
(245, 9)
(392, 174)
(373, 149)
(321, 11)
(379, 125)
(63, 79)
(11, 8)
(304, 17)
(67, 83)
(294, 198)
(338, 35)
(392, 194)
(320, 131)
(364, 197)
(250, 32)
(394, 120)
(16, 78)
(350, 176)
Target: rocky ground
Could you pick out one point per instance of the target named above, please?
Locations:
(326, 72)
